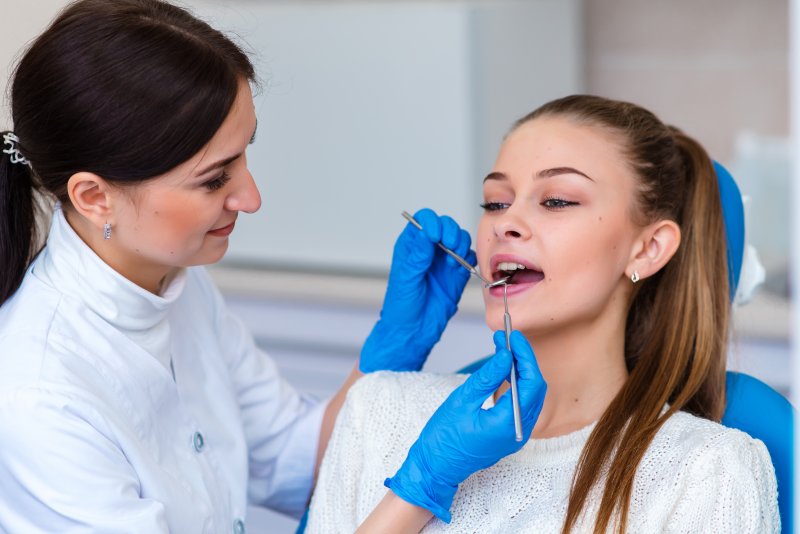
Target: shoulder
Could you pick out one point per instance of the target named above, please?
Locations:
(696, 470)
(417, 388)
(30, 321)
(694, 437)
(400, 395)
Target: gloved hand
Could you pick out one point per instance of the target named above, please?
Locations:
(461, 438)
(425, 285)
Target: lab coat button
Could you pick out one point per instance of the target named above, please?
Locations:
(198, 442)
(238, 527)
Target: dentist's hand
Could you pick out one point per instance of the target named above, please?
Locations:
(425, 285)
(461, 438)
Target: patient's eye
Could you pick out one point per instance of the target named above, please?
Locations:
(494, 206)
(556, 203)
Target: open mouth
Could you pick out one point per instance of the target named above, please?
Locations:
(518, 273)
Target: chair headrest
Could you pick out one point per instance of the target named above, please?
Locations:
(733, 213)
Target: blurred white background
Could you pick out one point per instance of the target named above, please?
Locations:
(371, 107)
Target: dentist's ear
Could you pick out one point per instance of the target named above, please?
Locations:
(654, 247)
(90, 196)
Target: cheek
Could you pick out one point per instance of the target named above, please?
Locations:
(595, 258)
(482, 240)
(176, 221)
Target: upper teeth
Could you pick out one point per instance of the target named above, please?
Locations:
(509, 266)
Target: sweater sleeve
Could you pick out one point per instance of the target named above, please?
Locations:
(333, 505)
(729, 487)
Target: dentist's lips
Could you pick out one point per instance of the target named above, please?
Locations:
(224, 231)
(521, 279)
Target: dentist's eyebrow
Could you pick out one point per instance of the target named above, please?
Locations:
(226, 161)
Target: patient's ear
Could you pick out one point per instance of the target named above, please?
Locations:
(653, 248)
(91, 196)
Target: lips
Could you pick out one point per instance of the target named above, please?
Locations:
(523, 273)
(223, 230)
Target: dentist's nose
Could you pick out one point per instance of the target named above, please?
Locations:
(245, 196)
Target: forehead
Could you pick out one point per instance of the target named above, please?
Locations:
(553, 141)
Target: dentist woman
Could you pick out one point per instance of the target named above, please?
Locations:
(131, 400)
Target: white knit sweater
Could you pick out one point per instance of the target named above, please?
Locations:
(696, 476)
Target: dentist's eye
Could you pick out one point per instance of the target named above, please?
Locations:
(557, 203)
(217, 183)
(494, 206)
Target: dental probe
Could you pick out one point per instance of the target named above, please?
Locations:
(506, 321)
(513, 376)
(458, 258)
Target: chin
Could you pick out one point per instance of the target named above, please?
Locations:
(495, 321)
(206, 257)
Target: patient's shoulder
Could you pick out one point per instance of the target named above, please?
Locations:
(401, 394)
(691, 436)
(698, 472)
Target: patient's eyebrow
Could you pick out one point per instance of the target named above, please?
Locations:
(546, 173)
(555, 171)
(495, 176)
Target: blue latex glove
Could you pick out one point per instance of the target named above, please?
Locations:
(461, 438)
(425, 285)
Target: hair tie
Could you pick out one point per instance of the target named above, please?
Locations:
(13, 142)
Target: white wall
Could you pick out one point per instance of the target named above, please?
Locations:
(21, 21)
(372, 108)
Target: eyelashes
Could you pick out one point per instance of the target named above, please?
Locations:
(555, 203)
(550, 203)
(493, 206)
(218, 182)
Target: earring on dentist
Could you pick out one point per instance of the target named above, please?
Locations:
(635, 277)
(106, 231)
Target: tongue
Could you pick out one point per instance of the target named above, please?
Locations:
(526, 276)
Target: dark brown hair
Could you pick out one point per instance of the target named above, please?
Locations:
(126, 89)
(677, 325)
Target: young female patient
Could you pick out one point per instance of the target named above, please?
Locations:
(611, 226)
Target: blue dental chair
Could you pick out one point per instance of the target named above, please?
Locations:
(752, 406)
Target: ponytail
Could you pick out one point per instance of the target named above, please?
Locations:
(18, 235)
(676, 331)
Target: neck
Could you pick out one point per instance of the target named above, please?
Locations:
(584, 367)
(140, 272)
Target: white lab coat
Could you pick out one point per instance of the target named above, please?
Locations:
(96, 436)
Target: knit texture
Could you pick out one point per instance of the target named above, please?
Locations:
(696, 476)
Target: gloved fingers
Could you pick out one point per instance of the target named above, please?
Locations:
(414, 251)
(527, 366)
(530, 383)
(487, 379)
(471, 258)
(431, 224)
(462, 244)
(499, 339)
(450, 232)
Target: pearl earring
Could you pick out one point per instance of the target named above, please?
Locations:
(635, 277)
(106, 231)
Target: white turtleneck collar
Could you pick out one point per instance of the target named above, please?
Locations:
(72, 268)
